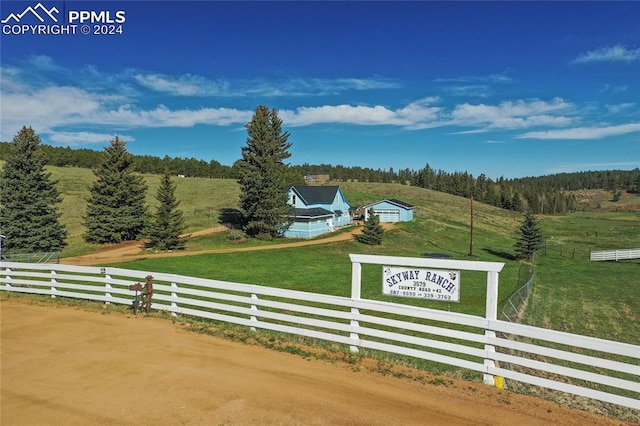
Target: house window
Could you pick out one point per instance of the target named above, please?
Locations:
(293, 200)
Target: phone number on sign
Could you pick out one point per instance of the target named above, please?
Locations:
(405, 293)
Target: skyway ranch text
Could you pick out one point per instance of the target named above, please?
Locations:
(421, 283)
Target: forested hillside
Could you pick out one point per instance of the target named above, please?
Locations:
(552, 194)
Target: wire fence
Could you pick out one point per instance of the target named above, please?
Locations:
(583, 253)
(46, 257)
(514, 308)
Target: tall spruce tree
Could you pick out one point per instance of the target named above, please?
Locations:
(167, 224)
(29, 216)
(530, 238)
(263, 175)
(372, 233)
(116, 209)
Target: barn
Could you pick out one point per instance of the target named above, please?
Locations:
(390, 210)
(317, 210)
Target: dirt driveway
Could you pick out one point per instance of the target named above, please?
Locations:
(63, 365)
(132, 250)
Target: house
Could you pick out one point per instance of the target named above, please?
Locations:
(317, 178)
(317, 210)
(390, 210)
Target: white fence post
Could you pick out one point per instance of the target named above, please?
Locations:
(356, 287)
(254, 308)
(108, 286)
(491, 314)
(8, 277)
(54, 282)
(174, 296)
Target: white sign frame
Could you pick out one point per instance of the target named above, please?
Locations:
(428, 284)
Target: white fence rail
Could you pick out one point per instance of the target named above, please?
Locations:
(604, 255)
(600, 369)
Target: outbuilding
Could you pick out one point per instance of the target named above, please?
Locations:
(390, 210)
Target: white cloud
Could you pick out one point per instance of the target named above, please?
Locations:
(616, 109)
(65, 112)
(84, 138)
(194, 85)
(617, 53)
(491, 78)
(583, 132)
(51, 108)
(185, 85)
(513, 114)
(46, 108)
(417, 114)
(162, 116)
(470, 90)
(614, 89)
(346, 114)
(43, 62)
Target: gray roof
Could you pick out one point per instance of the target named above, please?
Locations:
(317, 194)
(392, 201)
(400, 203)
(310, 213)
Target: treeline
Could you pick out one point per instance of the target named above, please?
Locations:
(551, 194)
(88, 158)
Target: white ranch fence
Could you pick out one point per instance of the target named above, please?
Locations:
(623, 254)
(600, 369)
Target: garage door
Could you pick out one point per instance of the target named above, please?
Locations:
(388, 215)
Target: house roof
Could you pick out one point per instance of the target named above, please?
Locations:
(310, 213)
(317, 194)
(400, 203)
(392, 201)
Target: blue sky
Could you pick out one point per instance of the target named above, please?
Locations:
(507, 89)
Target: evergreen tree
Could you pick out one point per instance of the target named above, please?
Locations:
(167, 224)
(372, 232)
(116, 209)
(263, 175)
(29, 217)
(530, 239)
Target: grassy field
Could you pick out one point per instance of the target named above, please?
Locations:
(600, 299)
(201, 201)
(570, 293)
(441, 225)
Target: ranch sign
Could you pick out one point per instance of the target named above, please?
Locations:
(421, 283)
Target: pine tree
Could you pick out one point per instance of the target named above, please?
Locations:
(263, 175)
(167, 224)
(29, 217)
(116, 209)
(372, 233)
(530, 239)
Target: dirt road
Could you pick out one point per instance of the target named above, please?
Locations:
(132, 250)
(64, 365)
